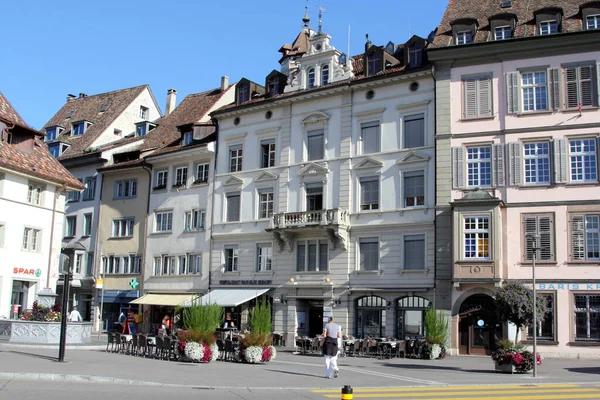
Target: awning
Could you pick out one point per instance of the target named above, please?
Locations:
(118, 296)
(231, 297)
(164, 299)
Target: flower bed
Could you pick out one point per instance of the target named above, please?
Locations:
(516, 356)
(258, 354)
(196, 352)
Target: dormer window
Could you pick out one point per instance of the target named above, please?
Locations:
(324, 75)
(502, 26)
(548, 21)
(590, 16)
(548, 27)
(52, 133)
(243, 94)
(273, 86)
(56, 149)
(79, 128)
(415, 54)
(187, 138)
(464, 37)
(144, 113)
(502, 32)
(311, 78)
(593, 22)
(463, 31)
(373, 63)
(142, 128)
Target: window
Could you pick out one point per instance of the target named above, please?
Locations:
(54, 149)
(72, 196)
(144, 113)
(182, 265)
(34, 193)
(164, 221)
(140, 130)
(369, 193)
(580, 89)
(310, 78)
(31, 239)
(314, 197)
(123, 227)
(324, 75)
(188, 137)
(414, 189)
(168, 266)
(125, 189)
(316, 145)
(264, 261)
(476, 233)
(582, 154)
(194, 220)
(201, 174)
(50, 134)
(135, 263)
(265, 203)
(180, 177)
(479, 166)
(231, 258)
(70, 226)
(243, 94)
(157, 265)
(545, 328)
(593, 22)
(369, 254)
(415, 55)
(548, 27)
(537, 162)
(587, 317)
(268, 153)
(411, 317)
(90, 188)
(87, 224)
(373, 63)
(464, 37)
(312, 255)
(502, 32)
(233, 207)
(89, 263)
(78, 263)
(533, 85)
(414, 131)
(2, 234)
(369, 136)
(371, 317)
(273, 86)
(78, 129)
(585, 237)
(235, 158)
(161, 180)
(543, 227)
(194, 264)
(414, 252)
(477, 97)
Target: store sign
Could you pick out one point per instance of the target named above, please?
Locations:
(246, 282)
(27, 271)
(568, 286)
(276, 299)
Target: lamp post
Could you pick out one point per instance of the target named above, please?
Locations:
(69, 252)
(534, 249)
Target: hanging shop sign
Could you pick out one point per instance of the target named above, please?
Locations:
(245, 282)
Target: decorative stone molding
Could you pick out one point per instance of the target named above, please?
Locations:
(17, 331)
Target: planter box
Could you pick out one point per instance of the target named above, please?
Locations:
(506, 368)
(17, 331)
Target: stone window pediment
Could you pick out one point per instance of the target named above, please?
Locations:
(233, 181)
(315, 118)
(313, 169)
(413, 157)
(369, 163)
(265, 177)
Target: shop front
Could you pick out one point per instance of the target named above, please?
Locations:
(113, 303)
(158, 305)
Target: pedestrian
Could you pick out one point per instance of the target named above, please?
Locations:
(75, 316)
(166, 324)
(331, 333)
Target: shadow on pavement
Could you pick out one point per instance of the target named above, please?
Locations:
(440, 367)
(590, 370)
(293, 373)
(34, 355)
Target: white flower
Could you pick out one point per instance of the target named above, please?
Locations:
(215, 351)
(194, 351)
(273, 352)
(253, 354)
(436, 350)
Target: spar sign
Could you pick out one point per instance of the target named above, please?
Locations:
(27, 272)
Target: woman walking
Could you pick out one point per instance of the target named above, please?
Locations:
(330, 348)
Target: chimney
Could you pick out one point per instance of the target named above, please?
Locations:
(70, 97)
(171, 100)
(224, 83)
(82, 95)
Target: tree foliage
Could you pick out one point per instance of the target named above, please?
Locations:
(514, 303)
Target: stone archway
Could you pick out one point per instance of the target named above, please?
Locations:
(476, 323)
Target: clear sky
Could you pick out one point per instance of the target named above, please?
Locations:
(52, 48)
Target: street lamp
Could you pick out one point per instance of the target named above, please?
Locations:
(534, 248)
(69, 252)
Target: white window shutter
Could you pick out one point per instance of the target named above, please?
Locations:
(577, 238)
(484, 99)
(498, 168)
(514, 156)
(470, 98)
(561, 168)
(513, 97)
(458, 167)
(554, 86)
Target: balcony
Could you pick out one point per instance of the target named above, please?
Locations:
(483, 271)
(333, 222)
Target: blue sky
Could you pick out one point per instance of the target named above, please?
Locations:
(53, 48)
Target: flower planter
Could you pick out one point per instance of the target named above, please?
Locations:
(506, 368)
(19, 331)
(258, 354)
(197, 352)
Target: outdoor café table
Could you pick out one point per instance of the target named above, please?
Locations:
(387, 345)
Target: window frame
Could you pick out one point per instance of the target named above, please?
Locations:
(503, 29)
(319, 244)
(78, 128)
(232, 258)
(584, 155)
(549, 309)
(268, 153)
(187, 138)
(536, 158)
(202, 171)
(535, 87)
(194, 264)
(362, 252)
(546, 237)
(592, 17)
(464, 37)
(324, 74)
(477, 232)
(89, 192)
(236, 157)
(163, 226)
(413, 174)
(408, 266)
(315, 134)
(35, 193)
(129, 189)
(194, 220)
(474, 88)
(264, 262)
(410, 118)
(144, 113)
(545, 27)
(310, 78)
(228, 216)
(580, 247)
(310, 193)
(580, 86)
(31, 239)
(70, 226)
(122, 227)
(588, 311)
(371, 135)
(479, 161)
(180, 176)
(363, 203)
(266, 207)
(161, 176)
(87, 224)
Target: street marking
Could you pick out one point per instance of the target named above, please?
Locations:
(577, 393)
(446, 388)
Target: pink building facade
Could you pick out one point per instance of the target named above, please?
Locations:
(518, 143)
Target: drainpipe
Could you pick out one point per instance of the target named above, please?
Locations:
(97, 256)
(146, 167)
(435, 184)
(56, 194)
(212, 207)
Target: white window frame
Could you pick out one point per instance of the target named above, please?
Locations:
(365, 128)
(315, 133)
(188, 138)
(325, 74)
(90, 188)
(144, 113)
(157, 266)
(194, 220)
(202, 173)
(596, 22)
(413, 174)
(533, 87)
(370, 206)
(163, 221)
(313, 122)
(35, 193)
(545, 27)
(266, 198)
(306, 243)
(78, 264)
(87, 224)
(502, 30)
(125, 189)
(239, 210)
(270, 153)
(414, 117)
(122, 227)
(31, 239)
(236, 158)
(264, 262)
(578, 158)
(539, 162)
(582, 246)
(361, 253)
(311, 81)
(194, 264)
(461, 37)
(161, 179)
(70, 226)
(231, 252)
(477, 234)
(180, 177)
(476, 164)
(405, 254)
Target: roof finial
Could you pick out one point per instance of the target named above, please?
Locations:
(306, 18)
(321, 9)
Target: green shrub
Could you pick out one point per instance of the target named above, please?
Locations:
(204, 318)
(254, 339)
(260, 317)
(436, 326)
(192, 335)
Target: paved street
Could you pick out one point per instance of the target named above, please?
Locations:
(29, 371)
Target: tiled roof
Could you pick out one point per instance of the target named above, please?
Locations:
(8, 113)
(88, 108)
(524, 10)
(299, 47)
(39, 163)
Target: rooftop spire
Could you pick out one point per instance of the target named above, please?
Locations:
(306, 18)
(321, 9)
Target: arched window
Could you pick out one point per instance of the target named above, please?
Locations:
(311, 78)
(410, 320)
(324, 75)
(370, 316)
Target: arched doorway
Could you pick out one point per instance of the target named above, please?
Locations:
(477, 326)
(410, 320)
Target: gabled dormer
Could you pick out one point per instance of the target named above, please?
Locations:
(377, 59)
(78, 128)
(126, 156)
(142, 128)
(57, 148)
(275, 83)
(21, 138)
(590, 15)
(502, 26)
(414, 52)
(464, 30)
(195, 133)
(53, 132)
(246, 90)
(548, 21)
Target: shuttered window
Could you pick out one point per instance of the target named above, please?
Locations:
(583, 160)
(233, 207)
(542, 227)
(585, 237)
(579, 83)
(369, 254)
(369, 193)
(477, 97)
(485, 166)
(536, 157)
(479, 166)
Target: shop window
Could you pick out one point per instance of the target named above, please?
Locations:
(371, 317)
(411, 317)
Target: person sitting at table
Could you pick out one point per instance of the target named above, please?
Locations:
(166, 324)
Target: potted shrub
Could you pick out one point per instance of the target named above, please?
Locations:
(198, 342)
(256, 345)
(513, 358)
(436, 331)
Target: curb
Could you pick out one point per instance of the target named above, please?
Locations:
(52, 346)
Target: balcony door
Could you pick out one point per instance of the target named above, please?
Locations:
(314, 197)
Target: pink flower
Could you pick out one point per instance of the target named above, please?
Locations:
(518, 359)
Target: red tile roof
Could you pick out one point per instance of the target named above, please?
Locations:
(8, 113)
(88, 108)
(524, 10)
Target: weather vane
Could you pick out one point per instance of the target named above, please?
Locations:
(321, 10)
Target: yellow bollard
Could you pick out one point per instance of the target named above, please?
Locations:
(347, 393)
